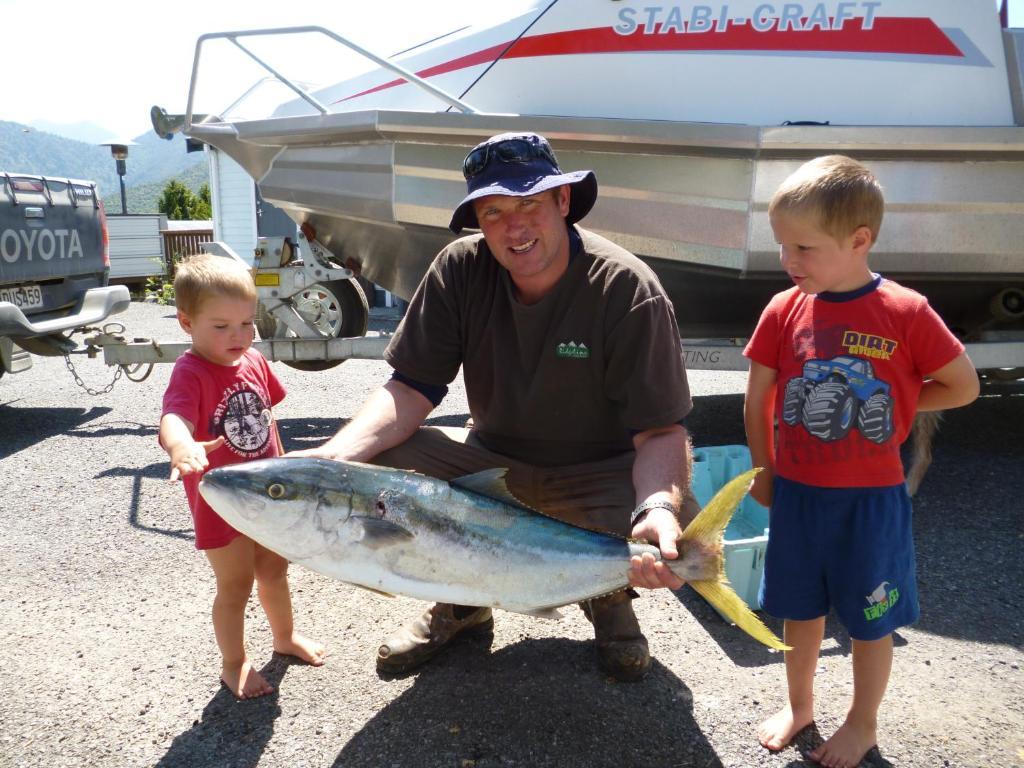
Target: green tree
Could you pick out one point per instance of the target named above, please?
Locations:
(204, 204)
(181, 204)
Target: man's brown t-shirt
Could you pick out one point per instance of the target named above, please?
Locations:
(566, 380)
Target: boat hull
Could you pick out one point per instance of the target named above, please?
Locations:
(378, 187)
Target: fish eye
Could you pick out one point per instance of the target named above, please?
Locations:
(275, 490)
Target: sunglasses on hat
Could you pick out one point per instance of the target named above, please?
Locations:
(506, 151)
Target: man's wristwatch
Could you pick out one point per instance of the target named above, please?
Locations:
(647, 506)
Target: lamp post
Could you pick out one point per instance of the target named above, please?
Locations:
(119, 151)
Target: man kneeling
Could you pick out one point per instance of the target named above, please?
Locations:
(574, 375)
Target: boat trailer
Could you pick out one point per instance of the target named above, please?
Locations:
(312, 315)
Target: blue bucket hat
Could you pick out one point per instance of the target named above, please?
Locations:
(518, 165)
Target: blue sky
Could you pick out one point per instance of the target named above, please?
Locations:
(108, 62)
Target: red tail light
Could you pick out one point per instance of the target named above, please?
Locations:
(106, 235)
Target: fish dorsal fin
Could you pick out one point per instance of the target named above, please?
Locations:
(489, 483)
(707, 527)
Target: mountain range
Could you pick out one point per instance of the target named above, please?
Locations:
(151, 163)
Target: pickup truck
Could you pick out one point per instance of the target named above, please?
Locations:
(54, 266)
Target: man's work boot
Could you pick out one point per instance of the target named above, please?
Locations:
(622, 649)
(423, 638)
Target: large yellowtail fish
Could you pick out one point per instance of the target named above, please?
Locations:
(468, 542)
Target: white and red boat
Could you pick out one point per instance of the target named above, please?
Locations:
(691, 114)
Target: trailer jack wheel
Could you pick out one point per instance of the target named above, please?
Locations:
(337, 309)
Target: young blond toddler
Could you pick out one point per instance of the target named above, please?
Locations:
(217, 411)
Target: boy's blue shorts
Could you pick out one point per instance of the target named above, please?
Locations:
(851, 549)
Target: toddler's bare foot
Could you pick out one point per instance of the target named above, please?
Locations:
(310, 651)
(847, 746)
(779, 729)
(244, 681)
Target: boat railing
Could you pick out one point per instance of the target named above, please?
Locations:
(301, 91)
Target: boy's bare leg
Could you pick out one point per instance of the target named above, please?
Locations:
(233, 568)
(779, 729)
(872, 662)
(272, 588)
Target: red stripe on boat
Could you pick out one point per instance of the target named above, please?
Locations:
(906, 36)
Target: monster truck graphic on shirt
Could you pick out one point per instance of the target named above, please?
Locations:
(832, 395)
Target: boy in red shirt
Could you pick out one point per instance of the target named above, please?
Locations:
(217, 411)
(845, 359)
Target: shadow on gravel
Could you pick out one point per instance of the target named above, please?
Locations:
(969, 528)
(536, 703)
(22, 427)
(716, 420)
(297, 434)
(231, 733)
(117, 429)
(744, 651)
(157, 471)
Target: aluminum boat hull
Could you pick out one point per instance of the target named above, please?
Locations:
(681, 109)
(691, 199)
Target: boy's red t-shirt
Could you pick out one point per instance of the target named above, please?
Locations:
(233, 401)
(871, 349)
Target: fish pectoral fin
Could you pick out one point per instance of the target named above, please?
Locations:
(371, 589)
(377, 533)
(709, 525)
(543, 613)
(489, 483)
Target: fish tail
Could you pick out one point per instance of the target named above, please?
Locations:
(707, 530)
(709, 526)
(731, 605)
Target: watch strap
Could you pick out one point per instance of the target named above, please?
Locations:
(647, 506)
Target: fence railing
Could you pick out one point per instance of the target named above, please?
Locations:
(178, 243)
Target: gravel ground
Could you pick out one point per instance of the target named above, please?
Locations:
(109, 657)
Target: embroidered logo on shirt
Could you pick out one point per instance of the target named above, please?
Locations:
(868, 345)
(880, 601)
(572, 349)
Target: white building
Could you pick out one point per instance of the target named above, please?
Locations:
(233, 199)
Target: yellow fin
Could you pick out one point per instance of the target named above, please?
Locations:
(722, 597)
(371, 589)
(707, 528)
(710, 523)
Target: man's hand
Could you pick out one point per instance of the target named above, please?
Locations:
(189, 456)
(659, 527)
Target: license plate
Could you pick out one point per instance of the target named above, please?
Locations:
(23, 296)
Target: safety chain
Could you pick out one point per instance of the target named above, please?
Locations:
(83, 385)
(110, 331)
